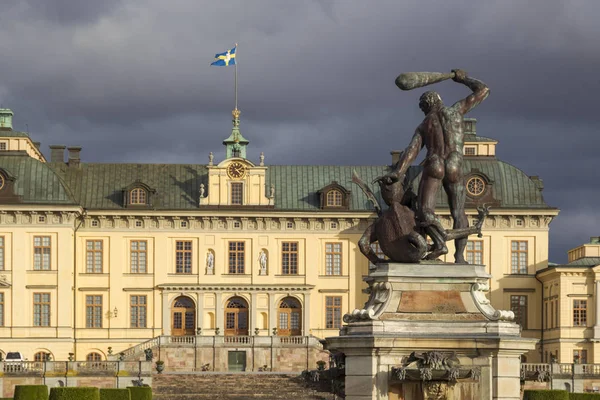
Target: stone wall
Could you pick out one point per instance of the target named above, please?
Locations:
(280, 359)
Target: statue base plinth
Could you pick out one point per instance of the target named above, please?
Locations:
(440, 310)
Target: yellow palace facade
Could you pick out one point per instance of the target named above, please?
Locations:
(98, 255)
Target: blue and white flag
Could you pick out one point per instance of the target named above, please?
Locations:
(225, 59)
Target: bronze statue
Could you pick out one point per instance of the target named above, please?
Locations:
(441, 132)
(396, 229)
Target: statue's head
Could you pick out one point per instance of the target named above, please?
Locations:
(391, 192)
(429, 100)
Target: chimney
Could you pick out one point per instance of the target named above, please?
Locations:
(57, 153)
(469, 126)
(6, 116)
(396, 154)
(74, 156)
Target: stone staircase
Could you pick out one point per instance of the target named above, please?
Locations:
(238, 386)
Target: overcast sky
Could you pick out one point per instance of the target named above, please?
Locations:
(130, 81)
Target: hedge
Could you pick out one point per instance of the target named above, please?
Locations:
(584, 396)
(31, 392)
(545, 395)
(115, 394)
(140, 392)
(74, 393)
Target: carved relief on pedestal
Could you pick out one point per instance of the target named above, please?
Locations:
(483, 304)
(380, 294)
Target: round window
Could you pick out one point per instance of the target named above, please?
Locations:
(475, 186)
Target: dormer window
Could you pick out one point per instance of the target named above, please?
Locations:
(2, 182)
(137, 196)
(334, 198)
(3, 145)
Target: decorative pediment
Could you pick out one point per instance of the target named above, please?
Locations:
(334, 197)
(138, 194)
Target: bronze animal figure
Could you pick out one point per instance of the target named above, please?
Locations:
(401, 237)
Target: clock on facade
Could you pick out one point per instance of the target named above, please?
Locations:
(236, 170)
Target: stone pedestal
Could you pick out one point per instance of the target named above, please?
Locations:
(463, 348)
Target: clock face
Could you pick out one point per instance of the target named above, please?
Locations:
(236, 170)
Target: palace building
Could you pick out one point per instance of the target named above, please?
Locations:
(96, 255)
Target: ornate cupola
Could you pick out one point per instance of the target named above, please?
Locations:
(6, 116)
(235, 144)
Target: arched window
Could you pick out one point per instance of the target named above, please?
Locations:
(41, 356)
(334, 198)
(290, 315)
(93, 357)
(2, 181)
(137, 196)
(236, 317)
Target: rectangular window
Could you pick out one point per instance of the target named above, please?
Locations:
(93, 311)
(237, 193)
(183, 257)
(546, 325)
(41, 253)
(333, 312)
(1, 309)
(2, 146)
(138, 256)
(470, 151)
(552, 315)
(518, 257)
(41, 309)
(138, 311)
(289, 258)
(579, 312)
(333, 258)
(580, 356)
(236, 257)
(1, 253)
(474, 252)
(93, 256)
(377, 249)
(518, 305)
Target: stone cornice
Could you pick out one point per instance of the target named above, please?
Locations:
(225, 223)
(235, 287)
(32, 217)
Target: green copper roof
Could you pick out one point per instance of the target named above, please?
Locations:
(296, 186)
(11, 133)
(585, 261)
(476, 138)
(510, 185)
(35, 181)
(100, 186)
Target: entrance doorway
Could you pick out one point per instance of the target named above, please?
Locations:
(183, 317)
(236, 361)
(290, 317)
(236, 317)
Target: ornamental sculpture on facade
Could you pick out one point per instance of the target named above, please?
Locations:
(433, 366)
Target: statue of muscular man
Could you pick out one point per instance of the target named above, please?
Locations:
(441, 133)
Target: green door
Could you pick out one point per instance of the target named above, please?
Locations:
(236, 361)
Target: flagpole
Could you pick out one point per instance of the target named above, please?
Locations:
(236, 63)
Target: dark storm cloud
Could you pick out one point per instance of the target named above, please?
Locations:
(69, 12)
(315, 81)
